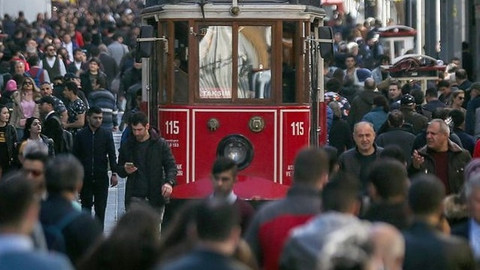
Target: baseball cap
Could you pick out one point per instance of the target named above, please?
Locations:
(407, 100)
(70, 75)
(46, 99)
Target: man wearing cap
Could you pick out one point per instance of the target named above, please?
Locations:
(472, 118)
(52, 126)
(407, 107)
(46, 90)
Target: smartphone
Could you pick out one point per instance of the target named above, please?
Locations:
(129, 164)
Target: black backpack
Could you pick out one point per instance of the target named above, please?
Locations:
(53, 233)
(67, 141)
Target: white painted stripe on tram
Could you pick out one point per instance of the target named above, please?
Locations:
(282, 136)
(188, 139)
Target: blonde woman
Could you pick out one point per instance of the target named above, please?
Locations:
(24, 105)
(458, 97)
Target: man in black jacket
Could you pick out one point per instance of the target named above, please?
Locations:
(94, 147)
(423, 241)
(52, 127)
(147, 161)
(63, 177)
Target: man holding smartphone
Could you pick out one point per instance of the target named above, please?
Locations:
(147, 161)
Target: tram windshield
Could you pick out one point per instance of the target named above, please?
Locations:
(216, 65)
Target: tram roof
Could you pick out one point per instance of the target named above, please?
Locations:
(214, 9)
(316, 3)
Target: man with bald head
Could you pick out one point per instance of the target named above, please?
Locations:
(441, 157)
(357, 160)
(388, 246)
(363, 102)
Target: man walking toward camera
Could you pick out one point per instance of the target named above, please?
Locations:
(147, 162)
(94, 147)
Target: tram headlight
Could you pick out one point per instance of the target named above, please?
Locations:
(238, 148)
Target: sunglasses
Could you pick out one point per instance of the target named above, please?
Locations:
(25, 83)
(461, 98)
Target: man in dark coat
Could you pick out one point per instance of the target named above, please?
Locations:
(147, 162)
(362, 103)
(441, 157)
(94, 147)
(52, 127)
(425, 247)
(64, 177)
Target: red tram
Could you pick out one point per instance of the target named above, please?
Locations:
(242, 80)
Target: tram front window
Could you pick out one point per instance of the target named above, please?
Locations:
(254, 61)
(215, 63)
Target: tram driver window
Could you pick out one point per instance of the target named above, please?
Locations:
(215, 62)
(254, 62)
(181, 63)
(288, 62)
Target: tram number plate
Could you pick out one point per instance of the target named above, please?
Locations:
(297, 128)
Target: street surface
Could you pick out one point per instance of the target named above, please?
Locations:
(116, 195)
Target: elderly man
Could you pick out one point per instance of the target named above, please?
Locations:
(441, 157)
(357, 160)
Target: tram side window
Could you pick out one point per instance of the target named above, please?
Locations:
(181, 87)
(215, 62)
(288, 62)
(254, 62)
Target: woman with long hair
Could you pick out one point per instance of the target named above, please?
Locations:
(33, 132)
(458, 97)
(8, 139)
(24, 105)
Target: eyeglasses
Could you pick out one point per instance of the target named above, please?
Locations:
(34, 173)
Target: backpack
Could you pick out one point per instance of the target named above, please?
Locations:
(53, 233)
(37, 77)
(67, 138)
(67, 141)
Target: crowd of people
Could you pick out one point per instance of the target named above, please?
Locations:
(392, 186)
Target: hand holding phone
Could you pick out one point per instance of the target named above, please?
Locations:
(130, 167)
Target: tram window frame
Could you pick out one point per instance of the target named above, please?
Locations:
(194, 52)
(162, 79)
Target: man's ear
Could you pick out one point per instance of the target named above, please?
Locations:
(147, 126)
